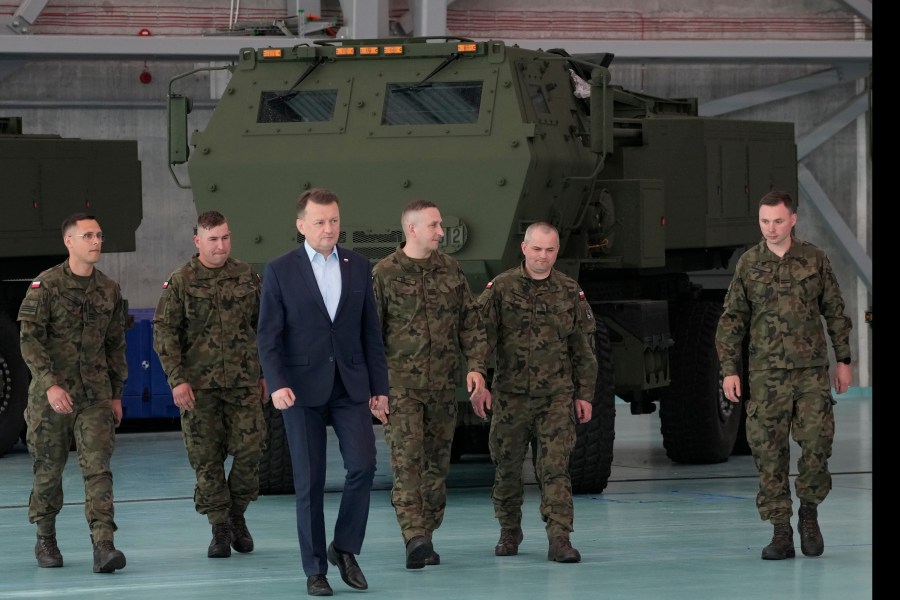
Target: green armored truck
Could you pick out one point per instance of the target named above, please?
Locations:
(642, 189)
(45, 179)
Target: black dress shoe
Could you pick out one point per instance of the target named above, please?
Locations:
(349, 568)
(317, 585)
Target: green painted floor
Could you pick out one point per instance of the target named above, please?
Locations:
(659, 531)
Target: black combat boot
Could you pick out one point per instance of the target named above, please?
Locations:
(220, 546)
(782, 544)
(435, 558)
(106, 558)
(811, 542)
(561, 550)
(241, 540)
(47, 552)
(508, 544)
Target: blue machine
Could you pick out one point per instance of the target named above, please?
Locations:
(147, 394)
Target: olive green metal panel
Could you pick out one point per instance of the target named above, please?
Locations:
(46, 178)
(496, 136)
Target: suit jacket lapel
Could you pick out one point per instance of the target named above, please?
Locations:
(345, 282)
(309, 279)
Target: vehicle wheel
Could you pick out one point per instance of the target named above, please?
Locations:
(14, 380)
(275, 473)
(591, 461)
(699, 425)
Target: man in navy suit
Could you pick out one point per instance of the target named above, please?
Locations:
(321, 348)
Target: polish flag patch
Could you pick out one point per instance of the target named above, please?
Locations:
(489, 284)
(580, 295)
(165, 285)
(35, 285)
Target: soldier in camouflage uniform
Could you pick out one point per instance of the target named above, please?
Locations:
(432, 328)
(205, 336)
(781, 289)
(542, 327)
(73, 341)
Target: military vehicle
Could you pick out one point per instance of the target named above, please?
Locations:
(642, 189)
(47, 178)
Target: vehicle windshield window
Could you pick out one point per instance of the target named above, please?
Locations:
(432, 103)
(296, 106)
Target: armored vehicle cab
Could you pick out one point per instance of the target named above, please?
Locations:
(642, 190)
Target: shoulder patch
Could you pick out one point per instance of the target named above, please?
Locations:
(165, 285)
(489, 285)
(580, 295)
(35, 284)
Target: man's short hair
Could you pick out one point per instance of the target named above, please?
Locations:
(776, 197)
(413, 207)
(209, 219)
(539, 225)
(73, 219)
(318, 195)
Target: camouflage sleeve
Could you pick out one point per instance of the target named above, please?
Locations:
(831, 305)
(490, 318)
(472, 335)
(168, 322)
(380, 299)
(732, 326)
(258, 291)
(33, 316)
(114, 345)
(581, 349)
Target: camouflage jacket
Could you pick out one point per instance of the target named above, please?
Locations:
(75, 337)
(205, 326)
(781, 302)
(543, 332)
(430, 321)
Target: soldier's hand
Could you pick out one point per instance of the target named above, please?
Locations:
(843, 376)
(117, 410)
(583, 410)
(283, 398)
(379, 407)
(474, 384)
(481, 403)
(59, 400)
(731, 385)
(183, 396)
(263, 391)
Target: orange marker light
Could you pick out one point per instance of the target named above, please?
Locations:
(466, 47)
(368, 50)
(393, 49)
(272, 53)
(348, 51)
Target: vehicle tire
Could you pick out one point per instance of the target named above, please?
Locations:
(699, 425)
(591, 461)
(14, 380)
(275, 473)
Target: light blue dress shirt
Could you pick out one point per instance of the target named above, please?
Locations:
(328, 276)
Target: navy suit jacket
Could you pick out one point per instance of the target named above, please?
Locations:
(300, 347)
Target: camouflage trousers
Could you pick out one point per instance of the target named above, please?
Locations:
(788, 403)
(549, 422)
(224, 422)
(419, 433)
(49, 436)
